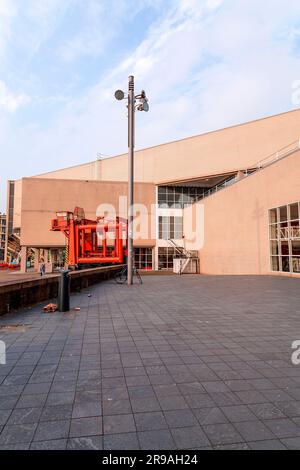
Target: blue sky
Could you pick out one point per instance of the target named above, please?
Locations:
(205, 64)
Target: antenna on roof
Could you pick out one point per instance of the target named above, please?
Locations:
(100, 156)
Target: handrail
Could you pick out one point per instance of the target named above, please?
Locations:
(274, 157)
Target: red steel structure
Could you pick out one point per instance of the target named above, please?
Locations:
(92, 241)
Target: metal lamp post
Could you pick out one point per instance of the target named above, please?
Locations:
(142, 106)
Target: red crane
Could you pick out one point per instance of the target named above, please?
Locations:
(97, 241)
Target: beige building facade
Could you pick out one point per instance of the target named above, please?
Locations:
(231, 196)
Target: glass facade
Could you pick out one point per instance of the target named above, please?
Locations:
(143, 258)
(177, 197)
(285, 238)
(165, 257)
(170, 227)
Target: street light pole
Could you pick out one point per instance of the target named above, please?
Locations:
(131, 116)
(132, 107)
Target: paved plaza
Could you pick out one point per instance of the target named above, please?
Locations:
(189, 362)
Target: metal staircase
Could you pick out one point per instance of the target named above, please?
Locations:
(269, 160)
(185, 256)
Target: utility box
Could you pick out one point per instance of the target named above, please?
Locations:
(185, 265)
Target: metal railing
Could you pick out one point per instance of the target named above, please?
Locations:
(269, 160)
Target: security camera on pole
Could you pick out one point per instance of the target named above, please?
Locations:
(132, 106)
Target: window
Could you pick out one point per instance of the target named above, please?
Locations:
(285, 238)
(143, 258)
(165, 258)
(170, 228)
(177, 197)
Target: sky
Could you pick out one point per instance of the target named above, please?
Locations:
(205, 64)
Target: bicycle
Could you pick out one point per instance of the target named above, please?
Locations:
(121, 276)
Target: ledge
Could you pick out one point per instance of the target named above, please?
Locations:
(25, 293)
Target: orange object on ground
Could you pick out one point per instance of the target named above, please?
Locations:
(92, 241)
(50, 308)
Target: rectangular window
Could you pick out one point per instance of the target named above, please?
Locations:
(294, 211)
(285, 238)
(177, 197)
(283, 213)
(165, 258)
(170, 228)
(143, 258)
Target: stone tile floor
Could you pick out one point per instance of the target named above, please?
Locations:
(178, 363)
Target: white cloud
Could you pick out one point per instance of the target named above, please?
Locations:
(11, 101)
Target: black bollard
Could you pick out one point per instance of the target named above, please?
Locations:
(64, 291)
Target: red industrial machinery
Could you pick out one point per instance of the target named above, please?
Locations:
(93, 242)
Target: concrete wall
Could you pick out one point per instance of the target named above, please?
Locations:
(236, 225)
(41, 198)
(216, 152)
(19, 294)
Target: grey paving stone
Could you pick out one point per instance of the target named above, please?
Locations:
(10, 390)
(25, 416)
(274, 444)
(161, 379)
(137, 380)
(239, 446)
(141, 392)
(140, 405)
(51, 430)
(8, 403)
(210, 416)
(117, 424)
(200, 400)
(81, 427)
(292, 443)
(180, 418)
(4, 415)
(37, 388)
(188, 437)
(15, 446)
(127, 441)
(156, 440)
(82, 410)
(85, 443)
(225, 399)
(238, 413)
(261, 384)
(222, 434)
(283, 428)
(56, 413)
(254, 431)
(238, 385)
(117, 407)
(66, 386)
(215, 387)
(266, 411)
(277, 395)
(251, 396)
(175, 402)
(16, 379)
(60, 398)
(17, 434)
(31, 401)
(167, 390)
(58, 444)
(150, 421)
(290, 409)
